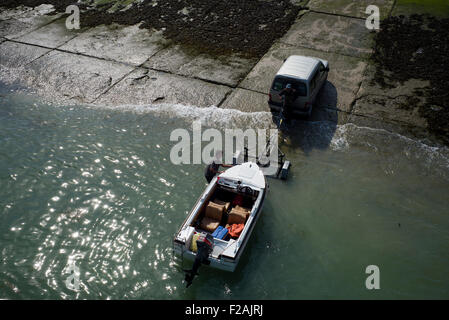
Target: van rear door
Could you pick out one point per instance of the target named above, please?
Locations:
(279, 83)
(276, 87)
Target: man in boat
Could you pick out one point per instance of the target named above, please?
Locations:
(212, 170)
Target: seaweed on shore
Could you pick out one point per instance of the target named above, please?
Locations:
(246, 27)
(417, 47)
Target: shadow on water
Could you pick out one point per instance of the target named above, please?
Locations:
(316, 131)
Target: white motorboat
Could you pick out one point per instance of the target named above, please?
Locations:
(217, 229)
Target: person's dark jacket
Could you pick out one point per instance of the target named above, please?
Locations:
(211, 171)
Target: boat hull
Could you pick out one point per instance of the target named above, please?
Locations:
(215, 263)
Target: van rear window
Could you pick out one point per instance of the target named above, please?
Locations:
(280, 84)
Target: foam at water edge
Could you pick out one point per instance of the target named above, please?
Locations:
(211, 116)
(381, 140)
(339, 140)
(342, 138)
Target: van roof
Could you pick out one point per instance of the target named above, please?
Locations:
(298, 67)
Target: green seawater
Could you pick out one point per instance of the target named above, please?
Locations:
(95, 188)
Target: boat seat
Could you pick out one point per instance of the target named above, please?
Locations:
(238, 215)
(224, 203)
(212, 216)
(209, 224)
(245, 210)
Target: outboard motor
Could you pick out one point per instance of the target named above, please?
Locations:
(205, 245)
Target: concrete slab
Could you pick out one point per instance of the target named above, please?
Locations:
(351, 8)
(16, 23)
(369, 87)
(144, 87)
(399, 104)
(170, 59)
(436, 8)
(345, 76)
(246, 101)
(393, 110)
(331, 34)
(10, 27)
(123, 44)
(17, 55)
(227, 70)
(64, 76)
(52, 35)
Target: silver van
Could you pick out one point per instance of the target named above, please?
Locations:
(305, 74)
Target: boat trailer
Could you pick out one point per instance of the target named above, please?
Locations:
(272, 166)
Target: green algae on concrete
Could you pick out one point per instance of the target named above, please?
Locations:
(416, 47)
(351, 8)
(437, 8)
(398, 106)
(116, 3)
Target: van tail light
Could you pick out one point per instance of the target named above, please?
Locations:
(308, 105)
(269, 97)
